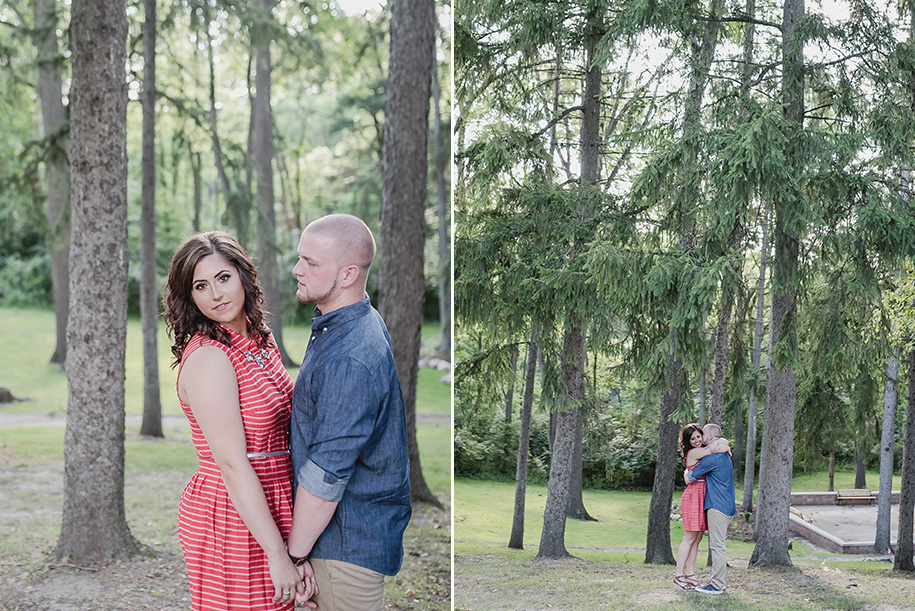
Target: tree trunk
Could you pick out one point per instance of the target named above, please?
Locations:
(737, 388)
(403, 197)
(552, 539)
(703, 386)
(860, 476)
(442, 159)
(516, 540)
(739, 440)
(93, 523)
(198, 190)
(720, 359)
(700, 64)
(775, 481)
(54, 120)
(887, 437)
(510, 392)
(657, 548)
(658, 540)
(765, 429)
(904, 546)
(750, 463)
(832, 463)
(772, 533)
(590, 175)
(241, 227)
(564, 493)
(576, 502)
(263, 161)
(149, 293)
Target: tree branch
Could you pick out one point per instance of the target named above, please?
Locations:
(561, 116)
(746, 19)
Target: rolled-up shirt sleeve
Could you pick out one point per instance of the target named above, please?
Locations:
(346, 400)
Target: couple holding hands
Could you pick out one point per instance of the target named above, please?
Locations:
(302, 491)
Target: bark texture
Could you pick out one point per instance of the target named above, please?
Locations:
(516, 540)
(93, 522)
(860, 476)
(657, 546)
(403, 197)
(149, 293)
(552, 539)
(903, 560)
(887, 435)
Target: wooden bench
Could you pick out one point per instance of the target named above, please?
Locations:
(855, 496)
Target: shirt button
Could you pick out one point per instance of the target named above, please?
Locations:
(325, 330)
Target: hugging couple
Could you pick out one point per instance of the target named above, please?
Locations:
(707, 504)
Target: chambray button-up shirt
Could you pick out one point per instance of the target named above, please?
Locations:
(349, 440)
(719, 482)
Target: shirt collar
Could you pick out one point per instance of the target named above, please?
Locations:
(340, 316)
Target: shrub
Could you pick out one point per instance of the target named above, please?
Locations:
(627, 461)
(26, 282)
(490, 449)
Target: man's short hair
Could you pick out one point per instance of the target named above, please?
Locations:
(354, 242)
(712, 428)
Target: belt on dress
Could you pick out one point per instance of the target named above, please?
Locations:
(266, 454)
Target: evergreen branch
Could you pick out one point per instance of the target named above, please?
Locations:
(745, 19)
(182, 107)
(553, 122)
(763, 72)
(842, 59)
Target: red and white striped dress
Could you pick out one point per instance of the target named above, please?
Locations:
(227, 568)
(692, 505)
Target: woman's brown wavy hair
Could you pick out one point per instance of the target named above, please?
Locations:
(183, 318)
(685, 434)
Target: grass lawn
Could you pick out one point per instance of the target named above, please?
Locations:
(608, 570)
(156, 471)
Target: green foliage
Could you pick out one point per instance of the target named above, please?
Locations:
(26, 282)
(617, 456)
(490, 450)
(901, 309)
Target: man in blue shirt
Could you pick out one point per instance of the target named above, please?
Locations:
(719, 505)
(348, 437)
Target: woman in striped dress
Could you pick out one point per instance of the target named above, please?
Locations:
(692, 504)
(236, 511)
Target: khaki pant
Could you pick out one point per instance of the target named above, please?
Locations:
(347, 587)
(717, 530)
